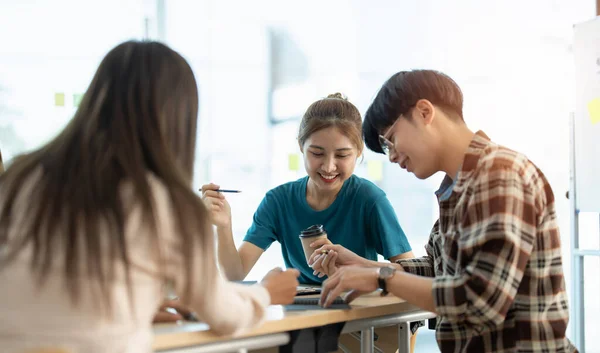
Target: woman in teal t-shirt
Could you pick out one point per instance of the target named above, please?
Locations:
(353, 211)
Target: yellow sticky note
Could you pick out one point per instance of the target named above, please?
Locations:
(375, 170)
(594, 110)
(77, 99)
(293, 162)
(59, 99)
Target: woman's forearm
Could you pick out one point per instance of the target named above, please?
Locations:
(229, 257)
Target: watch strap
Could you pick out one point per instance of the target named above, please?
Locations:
(383, 286)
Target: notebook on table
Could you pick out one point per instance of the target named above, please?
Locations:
(302, 303)
(303, 289)
(307, 290)
(313, 304)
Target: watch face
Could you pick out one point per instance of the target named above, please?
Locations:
(386, 272)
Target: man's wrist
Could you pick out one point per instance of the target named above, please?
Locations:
(377, 264)
(398, 266)
(385, 273)
(371, 263)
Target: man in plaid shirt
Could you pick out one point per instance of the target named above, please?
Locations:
(493, 272)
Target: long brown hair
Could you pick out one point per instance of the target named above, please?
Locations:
(137, 118)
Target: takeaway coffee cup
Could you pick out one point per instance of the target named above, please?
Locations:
(309, 235)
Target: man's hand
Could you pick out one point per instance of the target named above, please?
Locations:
(325, 263)
(358, 280)
(328, 258)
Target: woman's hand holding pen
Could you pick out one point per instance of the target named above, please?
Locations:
(217, 205)
(281, 285)
(327, 258)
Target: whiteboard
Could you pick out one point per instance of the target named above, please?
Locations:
(586, 49)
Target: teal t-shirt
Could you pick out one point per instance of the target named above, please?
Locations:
(361, 219)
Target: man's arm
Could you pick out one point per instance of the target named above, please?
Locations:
(416, 290)
(359, 279)
(422, 266)
(495, 248)
(413, 287)
(416, 272)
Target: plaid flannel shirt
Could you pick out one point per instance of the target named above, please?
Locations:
(495, 257)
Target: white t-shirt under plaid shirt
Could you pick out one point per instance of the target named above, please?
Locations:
(496, 257)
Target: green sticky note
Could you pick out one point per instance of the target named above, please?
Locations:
(59, 99)
(594, 110)
(294, 162)
(375, 170)
(77, 99)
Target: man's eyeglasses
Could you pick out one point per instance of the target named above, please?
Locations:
(386, 145)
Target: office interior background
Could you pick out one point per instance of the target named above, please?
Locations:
(259, 64)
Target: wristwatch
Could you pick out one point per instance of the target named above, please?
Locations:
(385, 273)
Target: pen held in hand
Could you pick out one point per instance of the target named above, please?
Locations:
(226, 190)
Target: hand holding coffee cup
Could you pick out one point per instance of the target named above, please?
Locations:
(312, 238)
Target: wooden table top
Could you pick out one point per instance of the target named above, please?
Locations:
(175, 335)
